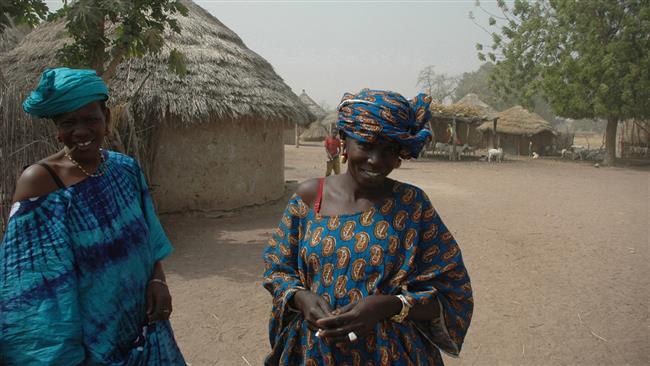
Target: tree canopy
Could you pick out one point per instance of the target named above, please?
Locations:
(14, 12)
(588, 58)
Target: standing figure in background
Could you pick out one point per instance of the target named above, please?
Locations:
(81, 279)
(333, 150)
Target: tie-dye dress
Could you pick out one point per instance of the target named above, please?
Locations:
(397, 246)
(74, 266)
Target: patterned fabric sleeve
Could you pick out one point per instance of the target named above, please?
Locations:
(39, 309)
(281, 275)
(160, 244)
(441, 276)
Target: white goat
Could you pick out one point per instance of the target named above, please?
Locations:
(496, 154)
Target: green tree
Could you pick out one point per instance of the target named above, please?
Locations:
(588, 58)
(139, 27)
(439, 86)
(14, 12)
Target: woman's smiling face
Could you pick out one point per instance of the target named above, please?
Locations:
(83, 130)
(370, 163)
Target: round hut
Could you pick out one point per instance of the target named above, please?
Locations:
(312, 132)
(516, 129)
(315, 132)
(211, 140)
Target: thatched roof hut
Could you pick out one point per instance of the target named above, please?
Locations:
(472, 100)
(467, 114)
(313, 107)
(519, 121)
(224, 119)
(315, 132)
(517, 128)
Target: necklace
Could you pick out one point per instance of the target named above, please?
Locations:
(99, 171)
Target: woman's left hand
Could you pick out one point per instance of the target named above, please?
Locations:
(159, 302)
(360, 317)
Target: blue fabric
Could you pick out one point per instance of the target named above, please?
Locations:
(398, 246)
(74, 266)
(374, 115)
(64, 90)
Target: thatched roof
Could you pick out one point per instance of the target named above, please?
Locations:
(461, 112)
(473, 100)
(313, 107)
(225, 79)
(315, 132)
(519, 121)
(11, 36)
(330, 119)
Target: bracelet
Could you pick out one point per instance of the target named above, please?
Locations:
(158, 280)
(406, 307)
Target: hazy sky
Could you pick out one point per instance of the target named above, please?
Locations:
(330, 47)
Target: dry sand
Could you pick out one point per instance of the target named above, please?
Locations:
(558, 253)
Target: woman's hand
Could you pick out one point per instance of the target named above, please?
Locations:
(313, 307)
(360, 317)
(159, 301)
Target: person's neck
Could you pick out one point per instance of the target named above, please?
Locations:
(362, 192)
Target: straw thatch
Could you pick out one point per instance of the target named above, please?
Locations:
(461, 112)
(313, 107)
(12, 35)
(225, 79)
(519, 121)
(315, 132)
(474, 101)
(330, 119)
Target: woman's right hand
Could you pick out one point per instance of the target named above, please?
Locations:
(312, 306)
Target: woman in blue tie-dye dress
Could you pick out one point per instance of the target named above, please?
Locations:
(362, 269)
(81, 280)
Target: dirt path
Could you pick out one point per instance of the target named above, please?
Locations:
(558, 254)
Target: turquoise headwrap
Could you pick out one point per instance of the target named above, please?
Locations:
(63, 90)
(374, 115)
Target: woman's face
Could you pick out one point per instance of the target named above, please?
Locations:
(83, 130)
(370, 163)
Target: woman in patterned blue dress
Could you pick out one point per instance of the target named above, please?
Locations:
(81, 280)
(362, 269)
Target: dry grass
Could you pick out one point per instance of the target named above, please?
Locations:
(23, 141)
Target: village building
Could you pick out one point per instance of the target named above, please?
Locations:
(469, 112)
(516, 129)
(211, 140)
(634, 139)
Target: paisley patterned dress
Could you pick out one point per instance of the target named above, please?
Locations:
(74, 266)
(398, 246)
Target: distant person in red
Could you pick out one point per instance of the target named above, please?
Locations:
(333, 149)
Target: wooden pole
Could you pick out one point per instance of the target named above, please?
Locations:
(452, 156)
(494, 133)
(297, 136)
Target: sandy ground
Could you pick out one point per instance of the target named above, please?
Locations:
(558, 253)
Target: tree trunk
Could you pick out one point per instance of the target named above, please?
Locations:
(610, 141)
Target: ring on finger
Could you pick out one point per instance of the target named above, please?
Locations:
(352, 336)
(165, 310)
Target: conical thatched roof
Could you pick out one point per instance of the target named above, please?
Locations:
(473, 100)
(519, 121)
(315, 132)
(313, 107)
(225, 79)
(330, 119)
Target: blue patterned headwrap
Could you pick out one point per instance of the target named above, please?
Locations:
(63, 90)
(373, 115)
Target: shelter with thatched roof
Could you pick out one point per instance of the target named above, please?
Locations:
(516, 129)
(209, 140)
(457, 123)
(634, 139)
(296, 131)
